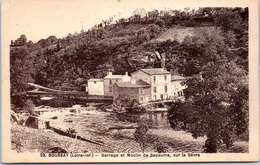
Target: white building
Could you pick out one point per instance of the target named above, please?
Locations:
(159, 79)
(163, 84)
(111, 79)
(177, 86)
(105, 86)
(96, 86)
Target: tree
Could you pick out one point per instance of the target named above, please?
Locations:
(139, 12)
(216, 105)
(29, 106)
(52, 39)
(42, 43)
(22, 39)
(153, 15)
(227, 19)
(140, 135)
(167, 15)
(160, 22)
(21, 70)
(207, 47)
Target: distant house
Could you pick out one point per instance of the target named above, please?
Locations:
(177, 86)
(137, 90)
(96, 86)
(111, 79)
(159, 80)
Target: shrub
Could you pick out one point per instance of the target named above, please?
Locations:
(161, 147)
(29, 106)
(160, 22)
(140, 135)
(118, 135)
(71, 132)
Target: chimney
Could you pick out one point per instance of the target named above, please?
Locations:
(126, 73)
(163, 60)
(133, 81)
(109, 73)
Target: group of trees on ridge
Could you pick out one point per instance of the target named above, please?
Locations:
(215, 62)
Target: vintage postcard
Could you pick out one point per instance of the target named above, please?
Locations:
(129, 81)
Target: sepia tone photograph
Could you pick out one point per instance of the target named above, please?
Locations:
(129, 81)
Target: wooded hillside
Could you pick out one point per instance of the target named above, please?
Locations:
(189, 39)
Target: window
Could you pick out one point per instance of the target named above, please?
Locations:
(154, 89)
(165, 88)
(141, 91)
(95, 82)
(154, 97)
(110, 89)
(141, 99)
(154, 79)
(110, 82)
(116, 80)
(165, 78)
(147, 99)
(161, 96)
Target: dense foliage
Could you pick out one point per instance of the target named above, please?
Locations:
(130, 43)
(216, 100)
(216, 105)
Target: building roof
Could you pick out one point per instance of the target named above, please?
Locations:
(115, 76)
(138, 84)
(84, 85)
(95, 79)
(155, 71)
(177, 77)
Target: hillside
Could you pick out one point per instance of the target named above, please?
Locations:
(130, 44)
(179, 33)
(27, 139)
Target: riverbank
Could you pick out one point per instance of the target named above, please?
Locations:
(26, 139)
(95, 125)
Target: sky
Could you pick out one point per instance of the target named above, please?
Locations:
(39, 19)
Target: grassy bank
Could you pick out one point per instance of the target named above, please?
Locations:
(35, 140)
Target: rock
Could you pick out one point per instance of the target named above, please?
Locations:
(68, 121)
(76, 106)
(32, 122)
(54, 117)
(73, 110)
